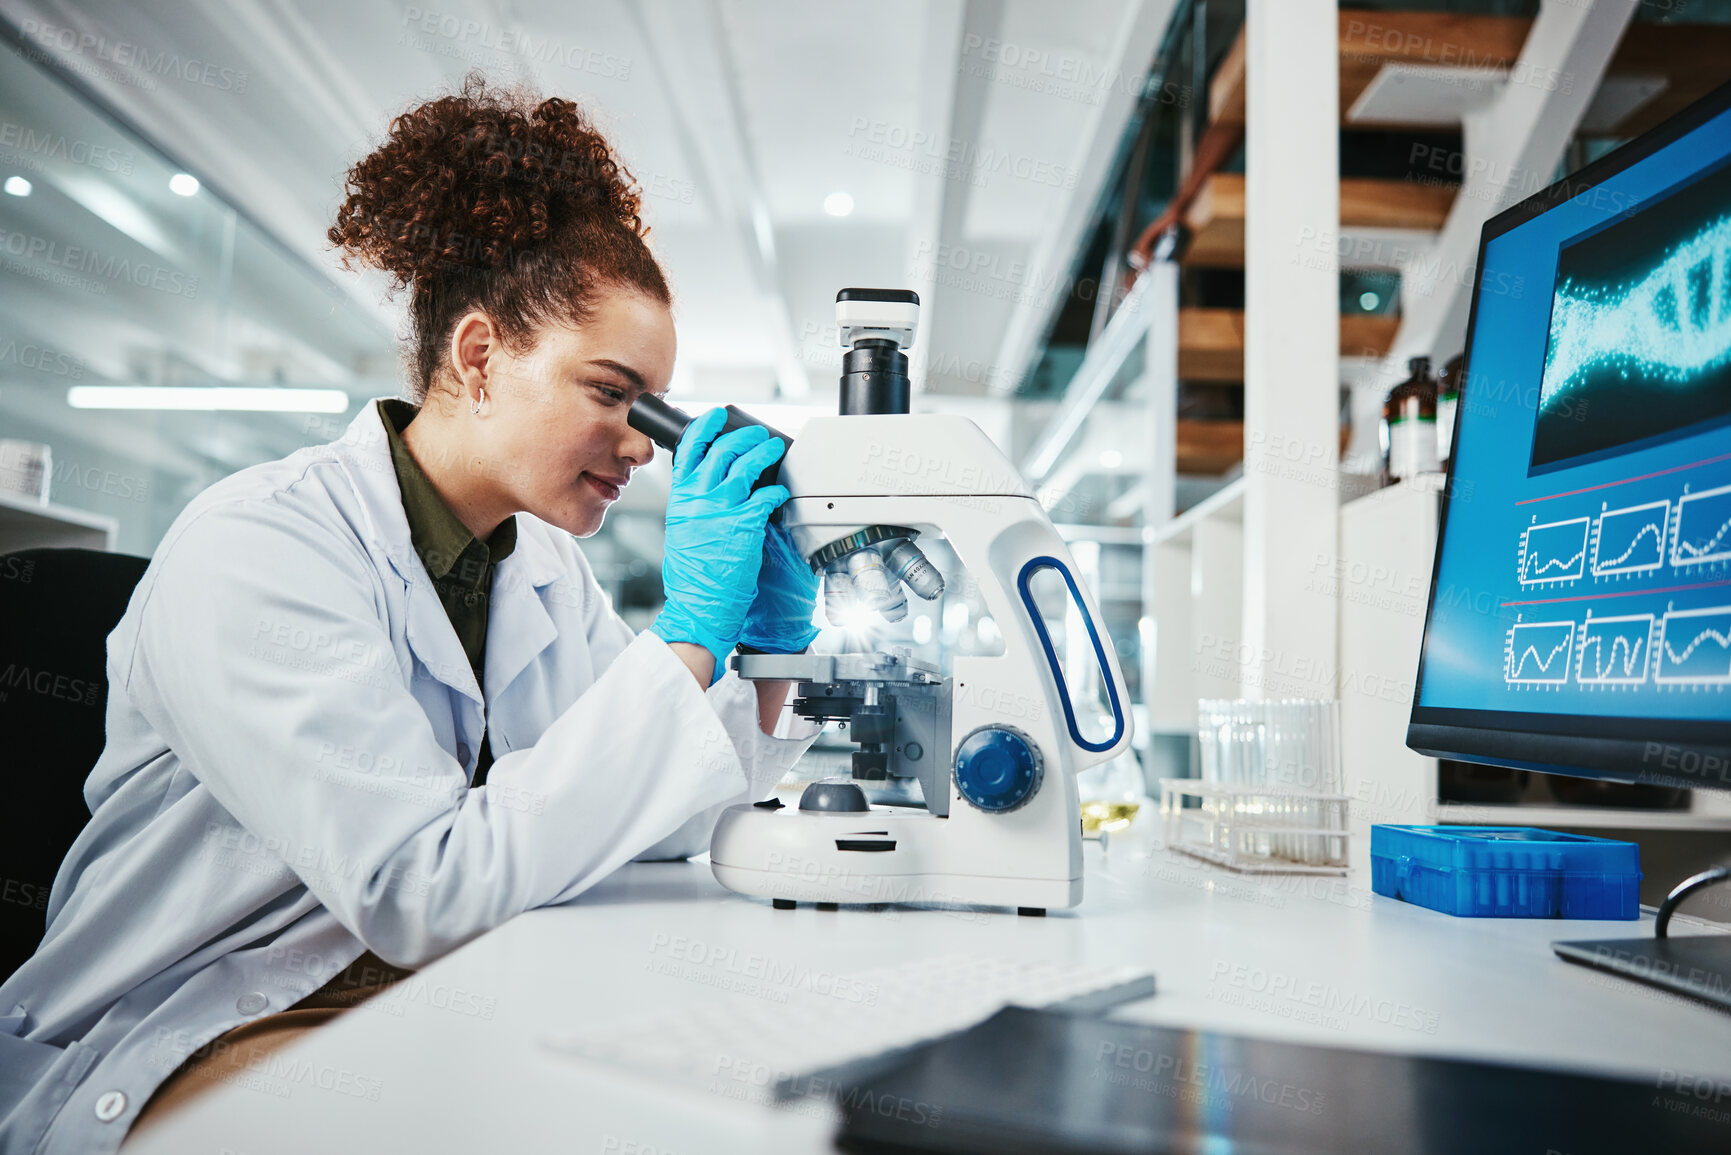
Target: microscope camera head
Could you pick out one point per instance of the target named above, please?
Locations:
(875, 325)
(877, 315)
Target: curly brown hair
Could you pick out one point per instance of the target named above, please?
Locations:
(491, 199)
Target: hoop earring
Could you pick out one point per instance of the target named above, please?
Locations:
(480, 398)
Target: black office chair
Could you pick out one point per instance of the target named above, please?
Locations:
(57, 607)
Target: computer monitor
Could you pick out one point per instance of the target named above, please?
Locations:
(1580, 605)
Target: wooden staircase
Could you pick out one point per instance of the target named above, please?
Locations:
(1672, 64)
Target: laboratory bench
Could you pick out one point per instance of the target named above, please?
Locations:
(473, 1057)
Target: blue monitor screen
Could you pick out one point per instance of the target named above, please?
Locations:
(1585, 566)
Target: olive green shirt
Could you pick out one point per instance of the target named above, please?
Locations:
(460, 564)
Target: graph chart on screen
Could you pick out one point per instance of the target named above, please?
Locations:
(1695, 647)
(1631, 540)
(1614, 651)
(1703, 528)
(1537, 653)
(1553, 552)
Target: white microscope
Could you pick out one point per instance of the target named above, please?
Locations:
(996, 745)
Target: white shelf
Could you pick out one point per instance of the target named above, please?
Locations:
(1396, 494)
(1104, 534)
(1593, 817)
(26, 524)
(1226, 505)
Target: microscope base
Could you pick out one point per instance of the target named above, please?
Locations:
(859, 889)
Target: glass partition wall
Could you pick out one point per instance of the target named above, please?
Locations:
(120, 278)
(133, 300)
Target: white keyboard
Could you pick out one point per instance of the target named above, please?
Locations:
(830, 1027)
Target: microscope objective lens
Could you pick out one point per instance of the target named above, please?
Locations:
(871, 581)
(908, 562)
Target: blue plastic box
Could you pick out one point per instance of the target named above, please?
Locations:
(1506, 871)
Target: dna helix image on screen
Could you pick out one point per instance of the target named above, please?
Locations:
(1668, 327)
(1640, 330)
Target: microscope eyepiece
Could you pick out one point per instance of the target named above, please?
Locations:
(665, 424)
(662, 423)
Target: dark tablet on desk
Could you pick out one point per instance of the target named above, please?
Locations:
(1695, 965)
(1039, 1081)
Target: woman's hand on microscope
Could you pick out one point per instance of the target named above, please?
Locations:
(715, 534)
(780, 619)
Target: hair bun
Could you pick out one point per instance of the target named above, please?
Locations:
(478, 179)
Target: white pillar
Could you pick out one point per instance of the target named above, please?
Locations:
(1160, 377)
(1291, 347)
(1160, 486)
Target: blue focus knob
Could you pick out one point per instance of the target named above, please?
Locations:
(997, 769)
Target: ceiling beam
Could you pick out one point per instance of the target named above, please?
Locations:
(686, 43)
(1139, 36)
(1099, 369)
(1513, 145)
(946, 21)
(1688, 60)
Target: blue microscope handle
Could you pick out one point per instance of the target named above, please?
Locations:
(1095, 635)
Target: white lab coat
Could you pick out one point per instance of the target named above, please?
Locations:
(292, 724)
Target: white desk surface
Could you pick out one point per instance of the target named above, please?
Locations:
(1321, 961)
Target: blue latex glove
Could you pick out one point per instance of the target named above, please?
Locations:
(780, 618)
(715, 527)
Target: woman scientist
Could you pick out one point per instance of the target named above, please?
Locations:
(368, 701)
